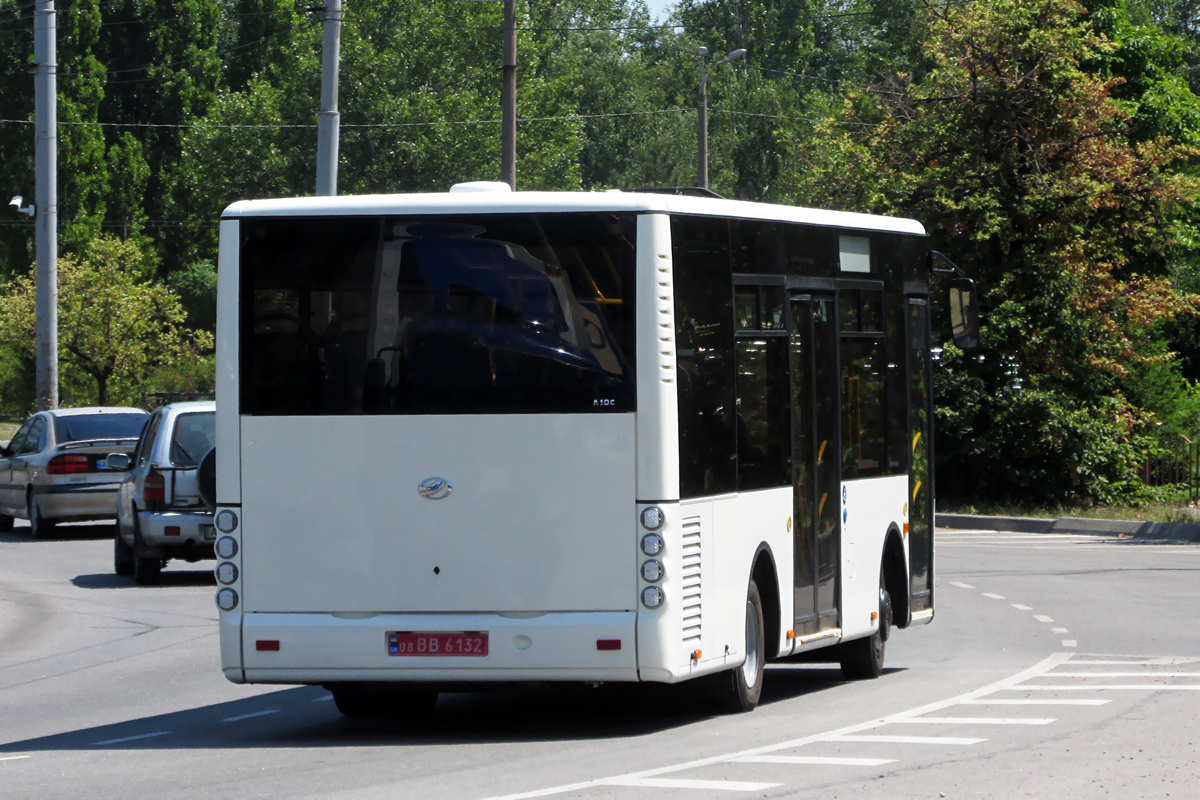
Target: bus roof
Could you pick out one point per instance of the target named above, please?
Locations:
(503, 202)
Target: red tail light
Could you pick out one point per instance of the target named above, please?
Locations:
(154, 491)
(69, 464)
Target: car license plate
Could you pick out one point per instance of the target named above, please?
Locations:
(467, 643)
(208, 532)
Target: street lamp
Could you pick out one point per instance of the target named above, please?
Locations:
(702, 114)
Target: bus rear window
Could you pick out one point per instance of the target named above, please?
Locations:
(515, 313)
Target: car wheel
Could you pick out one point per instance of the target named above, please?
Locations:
(740, 689)
(39, 526)
(6, 522)
(863, 658)
(147, 571)
(123, 557)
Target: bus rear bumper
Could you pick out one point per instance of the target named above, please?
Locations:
(329, 648)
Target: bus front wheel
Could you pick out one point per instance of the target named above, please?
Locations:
(740, 689)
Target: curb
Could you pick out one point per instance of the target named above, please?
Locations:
(1126, 529)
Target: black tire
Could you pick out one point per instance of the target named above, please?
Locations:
(862, 659)
(368, 701)
(146, 571)
(739, 689)
(39, 526)
(123, 556)
(6, 522)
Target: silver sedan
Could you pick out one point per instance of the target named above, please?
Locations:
(55, 468)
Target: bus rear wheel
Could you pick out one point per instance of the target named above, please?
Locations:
(739, 689)
(371, 701)
(863, 658)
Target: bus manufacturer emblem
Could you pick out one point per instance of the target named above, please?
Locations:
(435, 488)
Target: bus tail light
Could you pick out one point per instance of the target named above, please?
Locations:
(227, 599)
(71, 464)
(608, 644)
(652, 597)
(154, 491)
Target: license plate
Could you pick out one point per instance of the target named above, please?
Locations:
(467, 643)
(208, 532)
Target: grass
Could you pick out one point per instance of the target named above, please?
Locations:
(1167, 506)
(8, 428)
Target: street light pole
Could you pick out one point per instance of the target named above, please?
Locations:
(702, 114)
(45, 112)
(328, 120)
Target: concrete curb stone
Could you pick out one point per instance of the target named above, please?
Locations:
(1127, 529)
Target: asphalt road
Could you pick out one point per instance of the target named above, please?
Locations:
(1057, 666)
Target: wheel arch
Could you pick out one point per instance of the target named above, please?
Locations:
(765, 575)
(895, 576)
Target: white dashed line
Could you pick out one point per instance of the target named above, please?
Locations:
(1160, 687)
(1043, 618)
(961, 585)
(993, 596)
(324, 699)
(1070, 643)
(132, 738)
(241, 717)
(1142, 674)
(1059, 630)
(885, 739)
(834, 761)
(684, 783)
(1035, 702)
(975, 721)
(849, 733)
(1020, 607)
(11, 758)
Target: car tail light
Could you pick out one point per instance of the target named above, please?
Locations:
(69, 464)
(154, 491)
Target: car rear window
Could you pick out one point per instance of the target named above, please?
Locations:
(77, 428)
(194, 436)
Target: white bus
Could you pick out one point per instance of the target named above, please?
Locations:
(482, 436)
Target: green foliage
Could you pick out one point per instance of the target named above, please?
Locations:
(114, 326)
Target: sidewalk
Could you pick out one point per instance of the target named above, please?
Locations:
(1162, 531)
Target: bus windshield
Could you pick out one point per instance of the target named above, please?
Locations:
(514, 313)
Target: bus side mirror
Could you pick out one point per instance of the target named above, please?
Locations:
(964, 313)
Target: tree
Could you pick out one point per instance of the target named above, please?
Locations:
(114, 325)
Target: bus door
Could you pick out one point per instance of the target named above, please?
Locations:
(815, 462)
(920, 474)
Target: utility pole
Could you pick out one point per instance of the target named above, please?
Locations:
(328, 122)
(508, 98)
(45, 112)
(702, 113)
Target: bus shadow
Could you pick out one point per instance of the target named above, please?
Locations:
(168, 579)
(65, 532)
(307, 717)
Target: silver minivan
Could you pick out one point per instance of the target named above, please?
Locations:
(161, 514)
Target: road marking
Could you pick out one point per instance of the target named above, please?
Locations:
(961, 585)
(993, 596)
(1059, 630)
(1013, 681)
(884, 739)
(1153, 662)
(1070, 643)
(1153, 687)
(1020, 607)
(324, 699)
(975, 721)
(683, 783)
(11, 758)
(132, 738)
(1142, 674)
(1035, 702)
(241, 717)
(819, 760)
(1043, 618)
